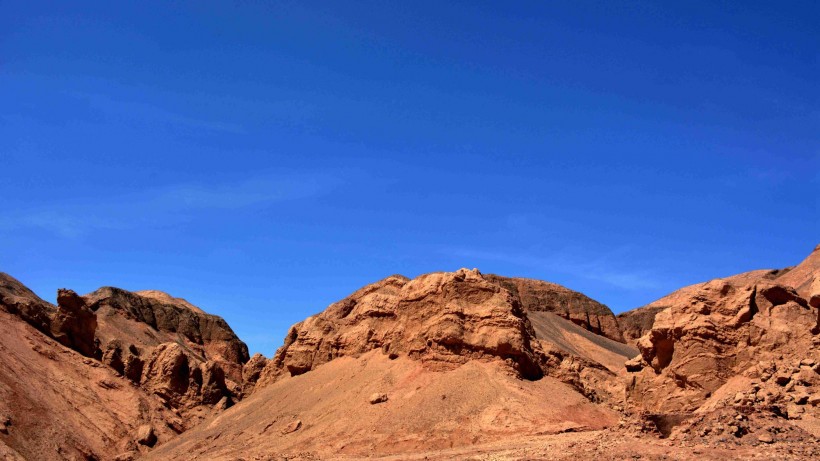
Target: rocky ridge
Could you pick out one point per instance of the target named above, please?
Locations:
(637, 322)
(541, 296)
(155, 348)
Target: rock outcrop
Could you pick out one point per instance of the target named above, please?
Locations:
(252, 371)
(637, 322)
(722, 331)
(167, 315)
(74, 325)
(169, 346)
(444, 320)
(163, 356)
(440, 319)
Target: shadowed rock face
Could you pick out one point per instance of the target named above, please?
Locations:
(638, 322)
(540, 296)
(814, 300)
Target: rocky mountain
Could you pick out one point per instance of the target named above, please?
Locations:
(108, 373)
(442, 360)
(446, 365)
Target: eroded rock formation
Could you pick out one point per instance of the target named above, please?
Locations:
(441, 319)
(723, 330)
(444, 320)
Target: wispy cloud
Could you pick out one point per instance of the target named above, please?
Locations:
(154, 114)
(162, 206)
(607, 268)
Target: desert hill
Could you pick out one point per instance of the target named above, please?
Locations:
(456, 357)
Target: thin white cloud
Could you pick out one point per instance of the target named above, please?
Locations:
(154, 114)
(162, 206)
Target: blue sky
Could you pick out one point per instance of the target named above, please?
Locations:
(264, 159)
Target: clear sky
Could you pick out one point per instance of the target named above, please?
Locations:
(264, 159)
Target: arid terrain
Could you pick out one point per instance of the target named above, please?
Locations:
(448, 365)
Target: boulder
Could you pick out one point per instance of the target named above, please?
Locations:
(145, 435)
(213, 383)
(167, 372)
(251, 372)
(377, 398)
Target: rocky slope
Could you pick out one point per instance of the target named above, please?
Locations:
(541, 296)
(372, 405)
(109, 372)
(731, 364)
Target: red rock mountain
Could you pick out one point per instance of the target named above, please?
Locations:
(108, 373)
(441, 360)
(448, 365)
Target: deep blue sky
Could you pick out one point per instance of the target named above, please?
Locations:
(263, 161)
